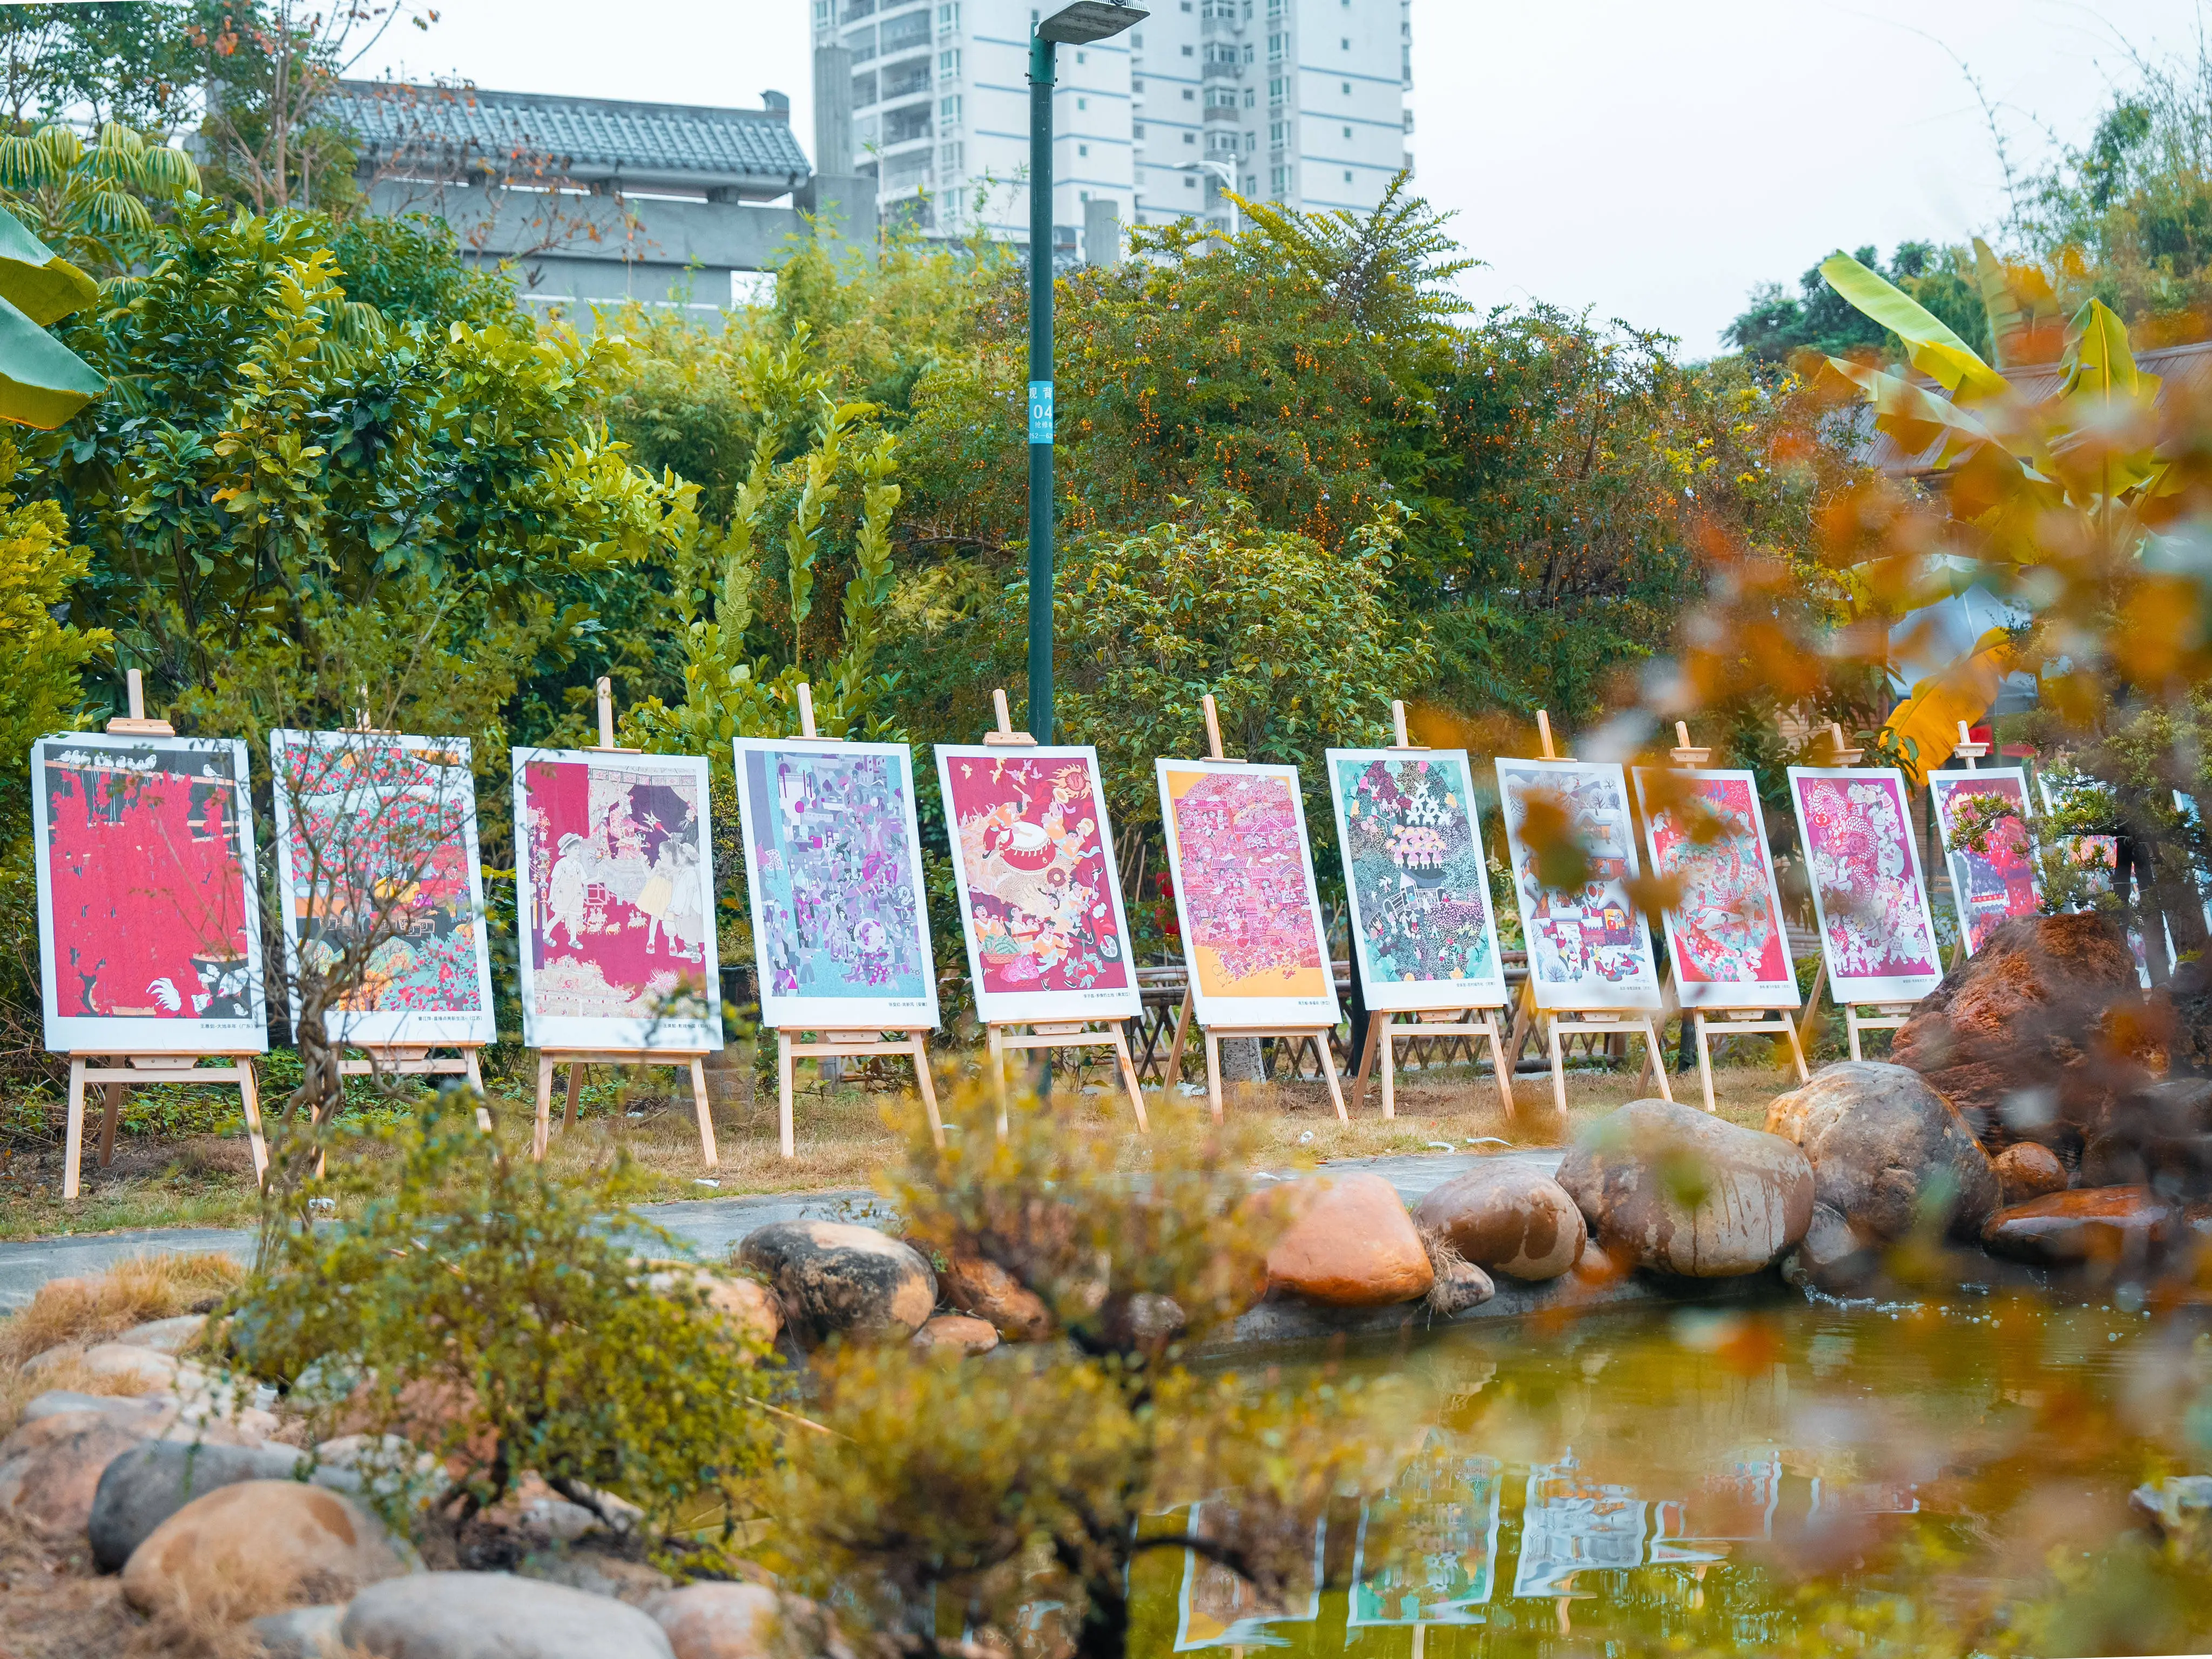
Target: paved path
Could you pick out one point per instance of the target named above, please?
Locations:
(710, 1227)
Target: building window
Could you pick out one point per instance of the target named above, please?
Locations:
(1084, 149)
(1188, 96)
(948, 110)
(948, 16)
(1082, 57)
(1251, 97)
(1347, 88)
(1084, 103)
(1347, 132)
(1137, 131)
(1275, 133)
(1276, 46)
(948, 63)
(949, 159)
(1279, 179)
(1275, 89)
(1137, 41)
(1348, 175)
(1188, 52)
(823, 17)
(1190, 181)
(1190, 137)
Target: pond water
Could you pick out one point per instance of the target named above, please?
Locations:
(1945, 1478)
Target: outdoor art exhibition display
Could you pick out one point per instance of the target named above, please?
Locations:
(376, 852)
(1246, 901)
(1422, 927)
(1724, 934)
(1877, 936)
(1588, 948)
(1039, 899)
(1996, 881)
(150, 933)
(841, 923)
(615, 898)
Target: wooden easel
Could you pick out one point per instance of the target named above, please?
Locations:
(1734, 1022)
(690, 1060)
(1470, 1019)
(1567, 1023)
(1887, 1016)
(414, 1058)
(114, 1072)
(1031, 1035)
(790, 1048)
(1317, 1035)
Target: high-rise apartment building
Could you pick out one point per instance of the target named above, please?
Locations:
(1298, 101)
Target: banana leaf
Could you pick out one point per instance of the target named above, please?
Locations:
(1913, 417)
(2104, 396)
(36, 281)
(2024, 317)
(1934, 349)
(42, 382)
(1964, 691)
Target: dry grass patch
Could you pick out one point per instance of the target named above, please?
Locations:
(132, 1293)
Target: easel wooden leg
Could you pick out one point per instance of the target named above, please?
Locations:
(1503, 1071)
(474, 1073)
(1558, 1072)
(542, 1131)
(1806, 1025)
(999, 1075)
(783, 1064)
(928, 1087)
(1654, 1060)
(1335, 1089)
(1705, 1057)
(1174, 1073)
(1213, 1073)
(706, 1117)
(249, 1094)
(1128, 1068)
(1524, 1011)
(1360, 1073)
(111, 1109)
(1796, 1050)
(575, 1088)
(1851, 1025)
(74, 1144)
(1389, 1063)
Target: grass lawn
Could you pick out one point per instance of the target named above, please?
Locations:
(185, 1162)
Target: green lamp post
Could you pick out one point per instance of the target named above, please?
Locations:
(1078, 24)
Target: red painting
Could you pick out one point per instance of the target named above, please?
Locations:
(149, 898)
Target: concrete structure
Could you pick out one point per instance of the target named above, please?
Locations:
(1297, 101)
(597, 201)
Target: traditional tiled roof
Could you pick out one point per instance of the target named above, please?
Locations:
(589, 140)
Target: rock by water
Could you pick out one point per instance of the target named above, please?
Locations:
(1350, 1244)
(1506, 1219)
(494, 1615)
(2027, 1170)
(1889, 1154)
(835, 1279)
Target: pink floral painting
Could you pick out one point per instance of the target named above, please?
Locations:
(1997, 881)
(1725, 931)
(1865, 872)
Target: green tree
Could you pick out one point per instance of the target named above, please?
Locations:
(121, 61)
(1776, 325)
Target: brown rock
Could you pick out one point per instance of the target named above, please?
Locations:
(51, 1467)
(302, 1541)
(990, 1292)
(2160, 1137)
(1667, 1187)
(1831, 1257)
(1594, 1270)
(2102, 1226)
(1506, 1219)
(837, 1279)
(1352, 1245)
(718, 1621)
(2027, 1170)
(2016, 1036)
(745, 1303)
(1889, 1154)
(1460, 1285)
(961, 1333)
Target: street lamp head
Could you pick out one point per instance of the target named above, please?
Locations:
(1082, 22)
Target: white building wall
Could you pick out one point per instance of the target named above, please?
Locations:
(1301, 101)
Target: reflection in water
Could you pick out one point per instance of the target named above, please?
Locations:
(1645, 1481)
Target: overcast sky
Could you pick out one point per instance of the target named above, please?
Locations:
(1650, 161)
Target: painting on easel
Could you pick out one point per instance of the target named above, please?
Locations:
(150, 933)
(1414, 871)
(1245, 896)
(376, 842)
(1588, 948)
(1997, 882)
(616, 900)
(833, 854)
(1033, 855)
(1867, 893)
(1725, 933)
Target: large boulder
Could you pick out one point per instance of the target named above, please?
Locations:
(2159, 1137)
(2105, 1227)
(957, 1334)
(1831, 1257)
(51, 1468)
(1888, 1153)
(1669, 1187)
(1350, 1244)
(2018, 1036)
(493, 1616)
(147, 1484)
(718, 1621)
(988, 1291)
(1506, 1218)
(300, 1541)
(169, 1336)
(837, 1279)
(2027, 1170)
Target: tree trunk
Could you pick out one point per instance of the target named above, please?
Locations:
(1240, 1060)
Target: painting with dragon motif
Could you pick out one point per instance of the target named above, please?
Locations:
(1996, 882)
(1706, 833)
(1033, 859)
(1869, 896)
(1419, 885)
